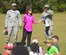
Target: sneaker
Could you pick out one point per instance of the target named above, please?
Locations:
(28, 47)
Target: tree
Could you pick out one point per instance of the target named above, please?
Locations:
(37, 5)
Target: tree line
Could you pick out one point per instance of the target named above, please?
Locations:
(37, 5)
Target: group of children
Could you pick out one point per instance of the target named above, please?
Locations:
(35, 49)
(53, 46)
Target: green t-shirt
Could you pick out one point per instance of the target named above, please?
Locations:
(52, 50)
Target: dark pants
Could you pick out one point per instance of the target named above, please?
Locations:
(46, 30)
(27, 35)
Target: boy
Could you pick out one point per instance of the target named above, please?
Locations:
(55, 40)
(8, 48)
(52, 50)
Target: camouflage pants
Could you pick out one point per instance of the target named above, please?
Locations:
(48, 31)
(11, 29)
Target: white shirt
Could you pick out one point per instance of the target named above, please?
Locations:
(32, 53)
(40, 51)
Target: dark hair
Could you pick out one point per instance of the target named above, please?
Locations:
(56, 37)
(20, 50)
(34, 47)
(28, 10)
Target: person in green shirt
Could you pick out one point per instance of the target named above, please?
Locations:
(55, 40)
(52, 50)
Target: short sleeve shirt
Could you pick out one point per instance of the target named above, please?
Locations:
(52, 50)
(29, 20)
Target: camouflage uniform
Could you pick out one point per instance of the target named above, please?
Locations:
(11, 22)
(47, 18)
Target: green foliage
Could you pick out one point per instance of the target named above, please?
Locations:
(37, 5)
(61, 7)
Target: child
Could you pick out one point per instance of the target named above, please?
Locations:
(52, 50)
(38, 48)
(28, 20)
(20, 50)
(55, 40)
(8, 48)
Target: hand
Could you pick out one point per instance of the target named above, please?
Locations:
(20, 27)
(35, 22)
(5, 31)
(39, 21)
(5, 28)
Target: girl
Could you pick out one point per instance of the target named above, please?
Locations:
(28, 20)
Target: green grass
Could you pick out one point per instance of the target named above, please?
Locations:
(59, 29)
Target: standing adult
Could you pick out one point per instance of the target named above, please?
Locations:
(28, 20)
(11, 22)
(47, 19)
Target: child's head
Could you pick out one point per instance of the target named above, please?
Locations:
(8, 48)
(49, 44)
(29, 11)
(34, 47)
(35, 41)
(55, 39)
(20, 50)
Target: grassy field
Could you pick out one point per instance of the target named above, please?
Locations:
(59, 29)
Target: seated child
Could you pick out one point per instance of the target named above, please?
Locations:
(35, 48)
(52, 50)
(8, 48)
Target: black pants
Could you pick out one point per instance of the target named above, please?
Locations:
(27, 35)
(46, 30)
